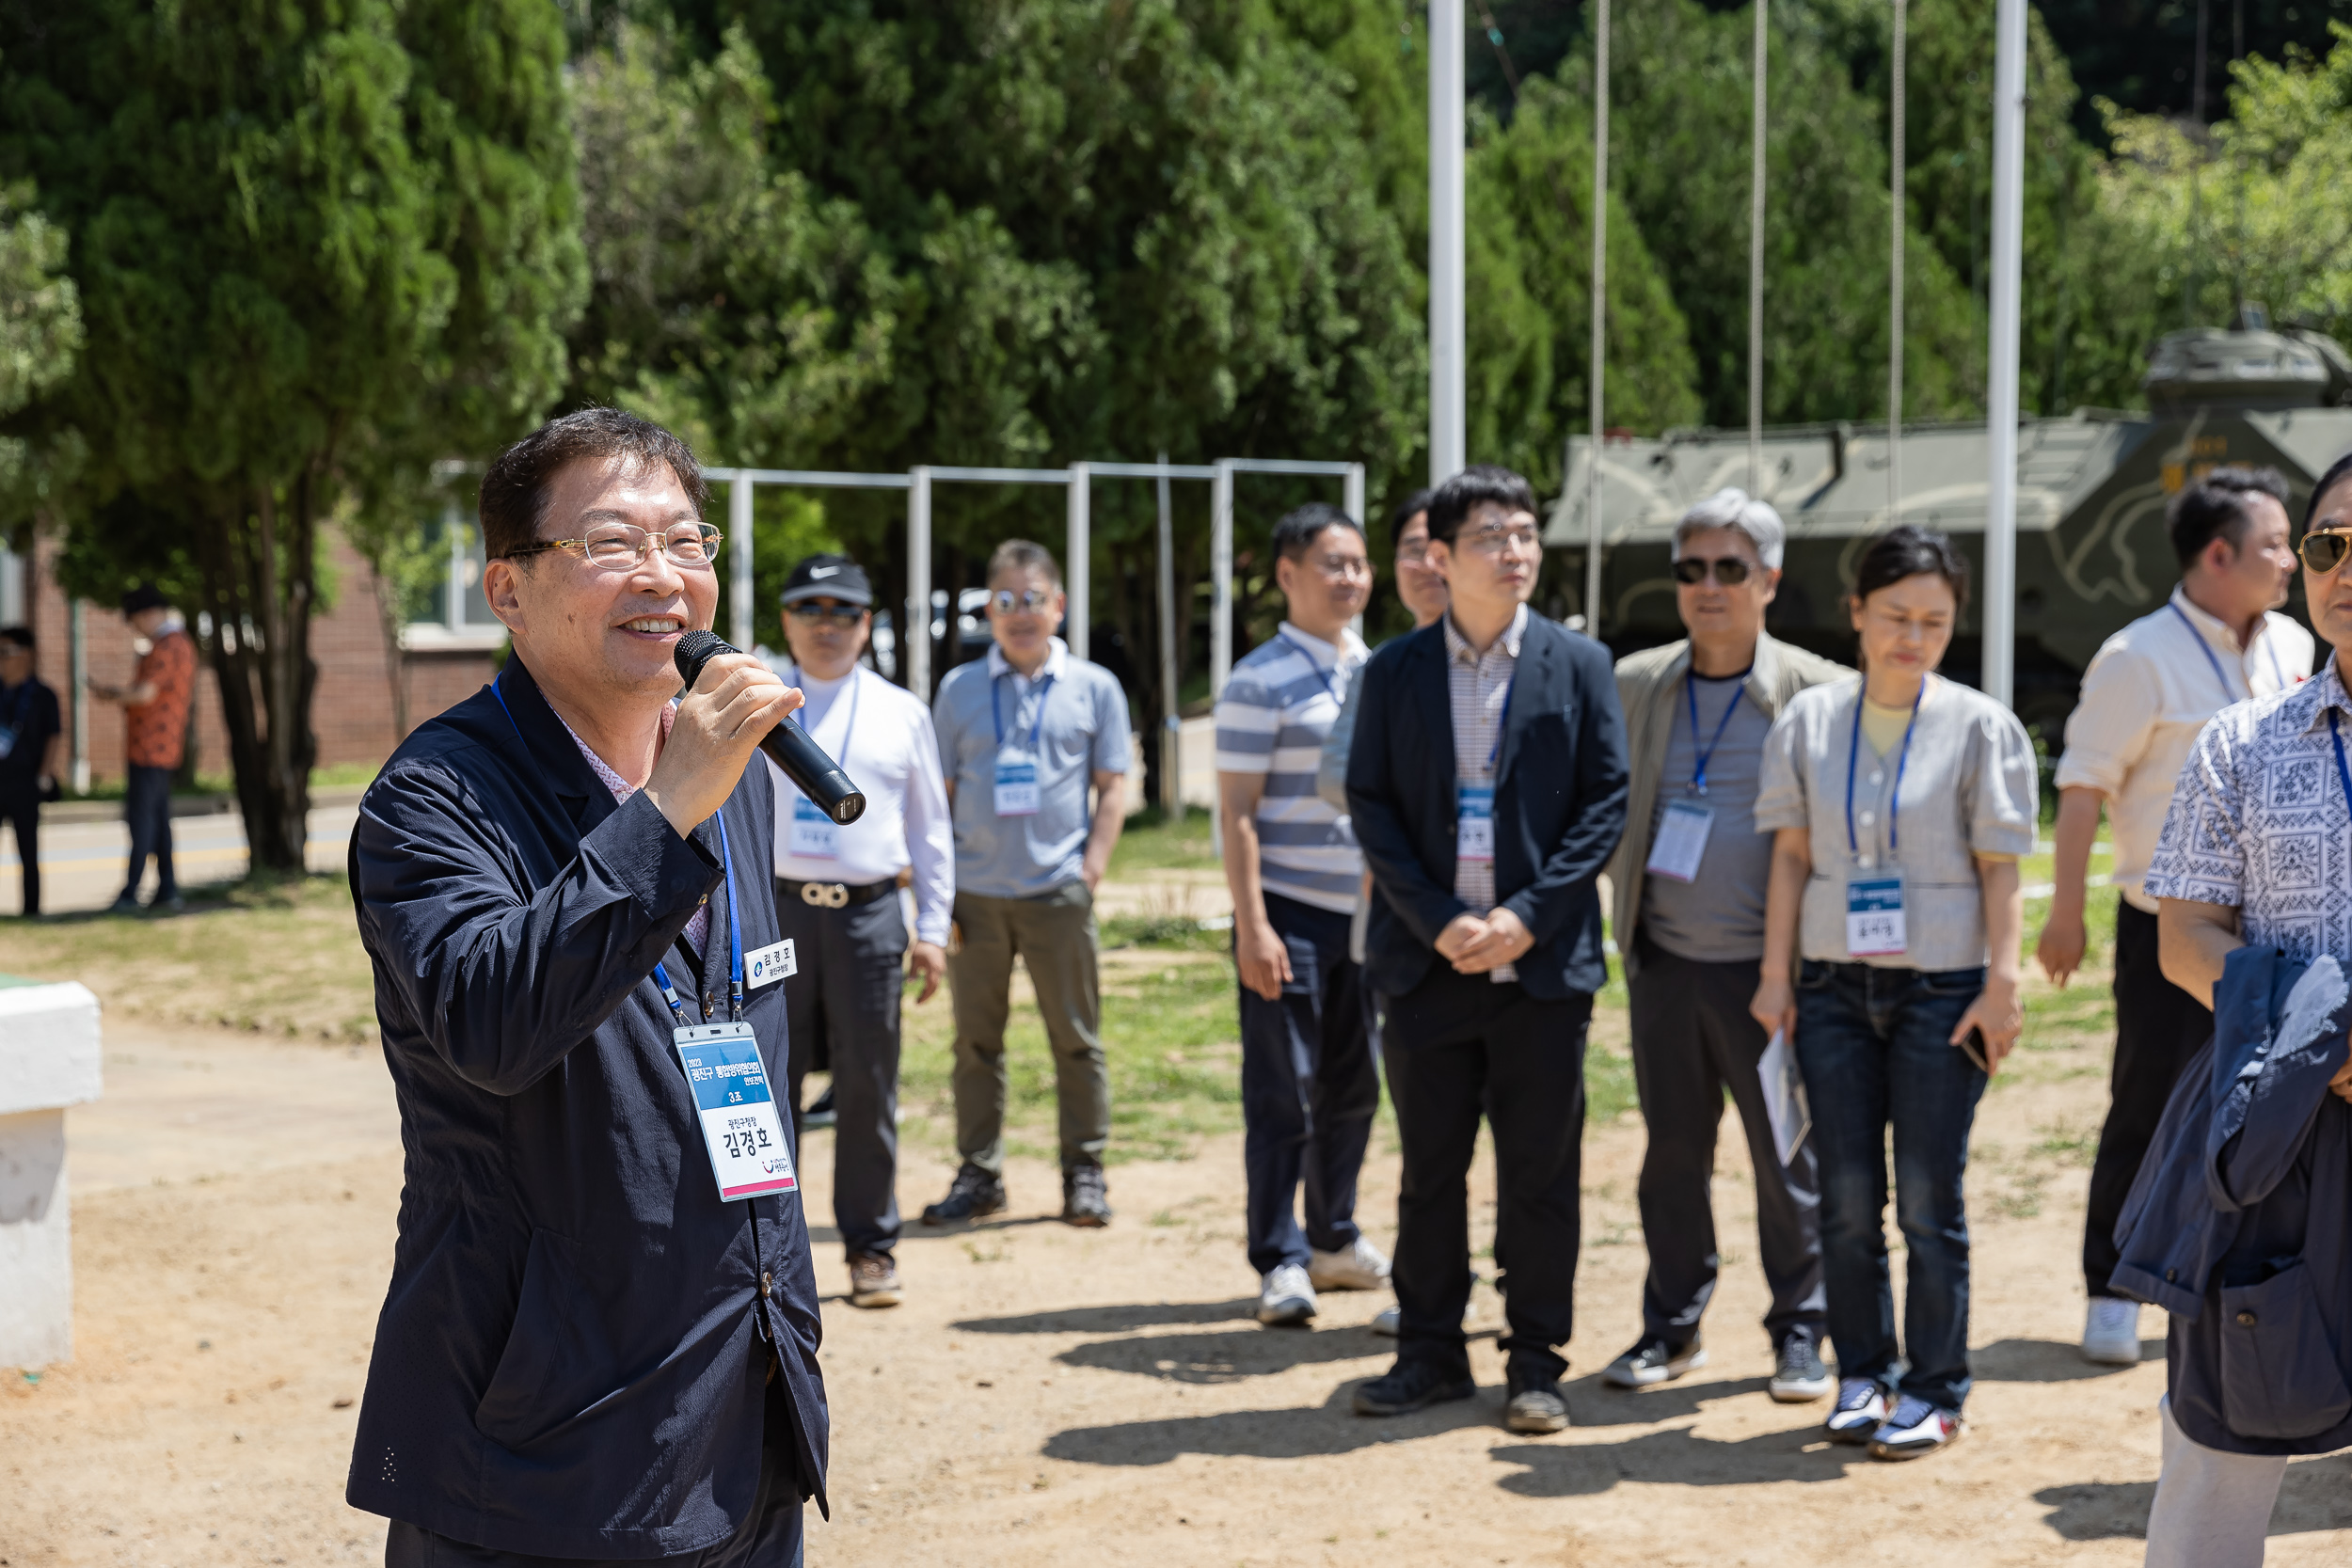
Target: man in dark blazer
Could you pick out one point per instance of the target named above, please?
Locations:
(1487, 788)
(586, 1352)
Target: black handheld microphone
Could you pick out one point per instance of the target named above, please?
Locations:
(817, 775)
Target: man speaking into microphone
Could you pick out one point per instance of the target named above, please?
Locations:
(601, 1339)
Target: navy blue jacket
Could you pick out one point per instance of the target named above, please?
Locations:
(573, 1356)
(1560, 797)
(2239, 1224)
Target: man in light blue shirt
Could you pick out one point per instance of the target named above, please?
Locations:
(1022, 737)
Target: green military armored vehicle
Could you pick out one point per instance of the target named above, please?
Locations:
(2091, 488)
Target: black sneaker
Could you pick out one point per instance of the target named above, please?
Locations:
(1084, 1198)
(819, 1114)
(1798, 1375)
(1536, 1404)
(1654, 1361)
(974, 1195)
(1412, 1386)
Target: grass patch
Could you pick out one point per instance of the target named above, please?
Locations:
(1165, 930)
(1150, 842)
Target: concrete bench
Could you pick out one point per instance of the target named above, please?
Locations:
(49, 1060)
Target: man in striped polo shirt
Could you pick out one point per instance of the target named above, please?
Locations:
(1308, 1087)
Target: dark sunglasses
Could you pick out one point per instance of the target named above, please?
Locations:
(841, 614)
(1730, 571)
(2324, 552)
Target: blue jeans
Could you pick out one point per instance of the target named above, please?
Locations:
(1875, 1048)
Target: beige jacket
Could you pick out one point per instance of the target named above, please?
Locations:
(1649, 683)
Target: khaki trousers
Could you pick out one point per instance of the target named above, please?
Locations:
(1052, 935)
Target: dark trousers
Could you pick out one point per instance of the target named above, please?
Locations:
(769, 1536)
(24, 814)
(2158, 1027)
(1694, 1040)
(1453, 1047)
(147, 810)
(1875, 1046)
(845, 998)
(1308, 1089)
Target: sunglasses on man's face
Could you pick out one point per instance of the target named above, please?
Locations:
(1031, 601)
(840, 614)
(1730, 571)
(2324, 552)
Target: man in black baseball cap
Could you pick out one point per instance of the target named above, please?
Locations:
(837, 899)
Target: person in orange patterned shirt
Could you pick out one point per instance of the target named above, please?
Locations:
(156, 715)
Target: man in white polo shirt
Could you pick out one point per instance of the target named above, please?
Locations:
(1309, 1088)
(837, 899)
(2145, 697)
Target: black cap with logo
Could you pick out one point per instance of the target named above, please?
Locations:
(828, 576)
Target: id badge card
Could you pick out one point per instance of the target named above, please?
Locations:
(1681, 840)
(811, 833)
(1017, 791)
(748, 1152)
(1874, 916)
(1473, 822)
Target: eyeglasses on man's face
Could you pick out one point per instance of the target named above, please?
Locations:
(1027, 601)
(840, 614)
(1730, 571)
(2324, 552)
(619, 546)
(1494, 538)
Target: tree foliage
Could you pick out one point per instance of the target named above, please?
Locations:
(41, 336)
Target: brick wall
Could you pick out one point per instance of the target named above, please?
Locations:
(352, 709)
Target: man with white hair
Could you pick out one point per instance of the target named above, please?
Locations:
(1689, 879)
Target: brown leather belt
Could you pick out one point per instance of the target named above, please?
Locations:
(836, 896)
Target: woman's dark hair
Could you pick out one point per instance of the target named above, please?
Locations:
(2337, 471)
(1909, 550)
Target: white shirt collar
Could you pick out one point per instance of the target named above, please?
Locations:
(1055, 662)
(1325, 655)
(2212, 627)
(1458, 646)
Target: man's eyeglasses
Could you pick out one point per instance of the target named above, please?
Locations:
(840, 614)
(1029, 601)
(1729, 570)
(618, 546)
(1343, 566)
(1495, 536)
(2324, 552)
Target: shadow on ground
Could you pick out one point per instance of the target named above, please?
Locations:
(2315, 1496)
(1116, 1320)
(1228, 1357)
(2045, 1361)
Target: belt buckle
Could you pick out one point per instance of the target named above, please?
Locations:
(825, 895)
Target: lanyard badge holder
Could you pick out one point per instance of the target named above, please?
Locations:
(2228, 692)
(1474, 804)
(1681, 840)
(1874, 895)
(733, 1099)
(810, 832)
(1018, 790)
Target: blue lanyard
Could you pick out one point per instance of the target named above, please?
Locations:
(995, 711)
(735, 926)
(735, 946)
(1327, 676)
(1691, 690)
(2278, 671)
(2342, 773)
(1901, 762)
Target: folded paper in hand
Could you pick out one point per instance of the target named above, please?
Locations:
(1784, 1095)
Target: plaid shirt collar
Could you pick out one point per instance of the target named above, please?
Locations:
(1458, 649)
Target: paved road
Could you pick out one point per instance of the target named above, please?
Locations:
(82, 863)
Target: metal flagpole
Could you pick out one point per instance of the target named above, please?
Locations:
(2000, 509)
(1600, 313)
(1171, 727)
(1080, 525)
(1895, 286)
(740, 591)
(1756, 267)
(915, 637)
(1448, 440)
(1220, 577)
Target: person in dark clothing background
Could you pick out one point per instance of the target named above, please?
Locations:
(1487, 786)
(29, 727)
(599, 1343)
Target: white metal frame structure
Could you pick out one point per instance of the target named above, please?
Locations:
(914, 643)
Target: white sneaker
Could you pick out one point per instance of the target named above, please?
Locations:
(1361, 1267)
(2112, 1332)
(1288, 1296)
(1387, 1321)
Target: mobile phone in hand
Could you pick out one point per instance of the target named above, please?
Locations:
(1974, 1045)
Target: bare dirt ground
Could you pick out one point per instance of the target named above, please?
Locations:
(1050, 1396)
